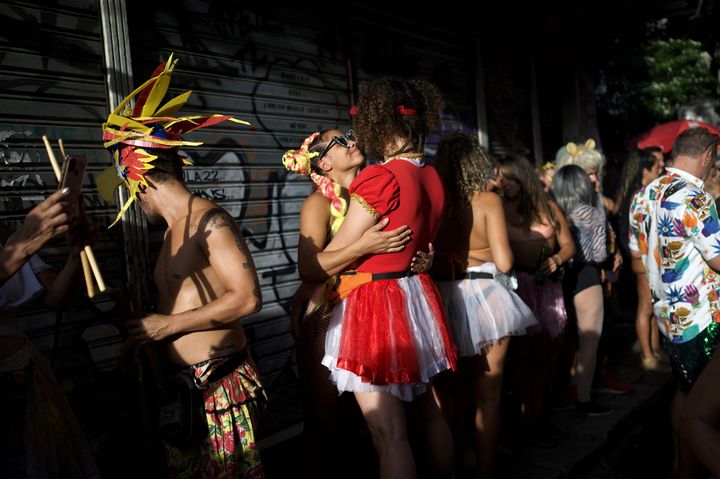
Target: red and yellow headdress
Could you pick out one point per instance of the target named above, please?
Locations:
(129, 131)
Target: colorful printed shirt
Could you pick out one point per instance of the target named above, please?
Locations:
(674, 226)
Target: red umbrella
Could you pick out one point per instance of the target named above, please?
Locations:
(664, 135)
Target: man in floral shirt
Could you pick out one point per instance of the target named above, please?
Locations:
(674, 229)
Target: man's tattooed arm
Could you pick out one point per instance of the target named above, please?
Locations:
(218, 218)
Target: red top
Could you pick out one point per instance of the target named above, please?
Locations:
(408, 193)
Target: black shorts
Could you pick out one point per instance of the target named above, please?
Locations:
(579, 276)
(689, 359)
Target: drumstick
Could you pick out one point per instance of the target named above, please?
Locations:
(86, 255)
(95, 268)
(86, 273)
(83, 255)
(53, 160)
(62, 148)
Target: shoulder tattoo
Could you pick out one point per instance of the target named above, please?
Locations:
(217, 218)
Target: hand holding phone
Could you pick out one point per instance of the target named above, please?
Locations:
(73, 176)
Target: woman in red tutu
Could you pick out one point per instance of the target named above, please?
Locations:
(388, 335)
(331, 160)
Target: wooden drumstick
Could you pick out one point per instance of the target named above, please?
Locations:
(62, 148)
(86, 255)
(95, 268)
(53, 161)
(87, 274)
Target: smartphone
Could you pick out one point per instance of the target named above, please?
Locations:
(73, 176)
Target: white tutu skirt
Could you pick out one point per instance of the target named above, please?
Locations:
(482, 311)
(389, 336)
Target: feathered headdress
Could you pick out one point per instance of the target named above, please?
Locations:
(129, 132)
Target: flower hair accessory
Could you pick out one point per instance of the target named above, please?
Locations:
(353, 110)
(405, 111)
(300, 161)
(129, 131)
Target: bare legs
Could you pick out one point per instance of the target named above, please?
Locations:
(487, 392)
(589, 311)
(386, 420)
(475, 391)
(646, 328)
(436, 443)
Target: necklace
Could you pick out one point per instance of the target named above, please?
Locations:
(407, 156)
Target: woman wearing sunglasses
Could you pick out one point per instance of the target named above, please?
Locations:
(331, 159)
(388, 336)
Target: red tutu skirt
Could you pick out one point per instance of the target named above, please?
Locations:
(389, 335)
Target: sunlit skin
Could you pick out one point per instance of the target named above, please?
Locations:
(205, 277)
(315, 265)
(480, 226)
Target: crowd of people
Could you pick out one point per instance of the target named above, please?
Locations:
(521, 256)
(440, 294)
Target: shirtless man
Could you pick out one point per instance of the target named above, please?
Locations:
(206, 282)
(205, 277)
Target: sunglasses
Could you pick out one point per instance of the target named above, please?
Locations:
(343, 141)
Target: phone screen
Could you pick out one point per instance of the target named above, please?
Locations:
(73, 175)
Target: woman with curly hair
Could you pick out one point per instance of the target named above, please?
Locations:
(388, 336)
(474, 259)
(331, 160)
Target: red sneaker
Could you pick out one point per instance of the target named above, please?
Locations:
(610, 384)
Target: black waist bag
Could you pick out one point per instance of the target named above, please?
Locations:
(181, 420)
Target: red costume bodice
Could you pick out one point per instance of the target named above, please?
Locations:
(408, 192)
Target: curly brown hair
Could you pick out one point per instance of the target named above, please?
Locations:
(378, 123)
(464, 167)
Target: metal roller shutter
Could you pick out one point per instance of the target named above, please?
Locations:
(409, 45)
(278, 76)
(52, 82)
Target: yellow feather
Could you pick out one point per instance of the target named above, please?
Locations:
(156, 95)
(107, 182)
(172, 106)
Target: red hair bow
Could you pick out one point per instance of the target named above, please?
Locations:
(353, 110)
(405, 111)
